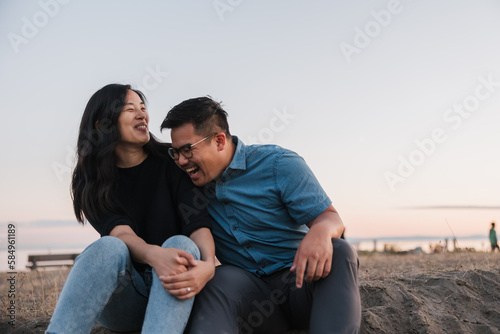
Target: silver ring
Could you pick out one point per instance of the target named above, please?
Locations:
(188, 289)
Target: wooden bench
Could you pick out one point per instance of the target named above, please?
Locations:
(50, 260)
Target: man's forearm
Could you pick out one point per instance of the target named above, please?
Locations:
(202, 237)
(329, 223)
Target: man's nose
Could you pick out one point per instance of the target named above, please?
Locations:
(182, 160)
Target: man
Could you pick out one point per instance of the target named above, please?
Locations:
(493, 238)
(276, 233)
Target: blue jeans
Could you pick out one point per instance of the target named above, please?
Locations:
(103, 286)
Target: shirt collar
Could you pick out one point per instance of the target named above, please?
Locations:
(239, 161)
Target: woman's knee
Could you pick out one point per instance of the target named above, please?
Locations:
(107, 251)
(184, 243)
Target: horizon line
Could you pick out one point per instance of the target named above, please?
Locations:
(441, 207)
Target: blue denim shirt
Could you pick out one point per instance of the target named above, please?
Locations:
(261, 205)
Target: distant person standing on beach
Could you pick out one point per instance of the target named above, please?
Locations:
(133, 194)
(493, 238)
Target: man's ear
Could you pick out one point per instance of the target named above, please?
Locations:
(220, 140)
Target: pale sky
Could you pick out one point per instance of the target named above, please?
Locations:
(393, 104)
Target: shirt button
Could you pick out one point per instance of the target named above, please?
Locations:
(247, 246)
(263, 266)
(226, 202)
(234, 228)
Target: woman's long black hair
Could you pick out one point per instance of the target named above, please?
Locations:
(96, 173)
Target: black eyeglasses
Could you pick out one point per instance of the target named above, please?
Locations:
(186, 150)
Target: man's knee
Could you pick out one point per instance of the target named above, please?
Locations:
(184, 243)
(343, 249)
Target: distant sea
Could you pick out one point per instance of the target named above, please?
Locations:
(477, 242)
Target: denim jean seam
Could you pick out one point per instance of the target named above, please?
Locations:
(134, 283)
(121, 274)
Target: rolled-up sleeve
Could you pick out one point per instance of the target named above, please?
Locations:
(107, 222)
(299, 189)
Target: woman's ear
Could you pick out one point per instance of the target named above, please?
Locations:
(96, 125)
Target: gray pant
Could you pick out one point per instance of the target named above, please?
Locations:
(237, 301)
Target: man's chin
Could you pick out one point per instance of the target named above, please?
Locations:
(198, 182)
(201, 181)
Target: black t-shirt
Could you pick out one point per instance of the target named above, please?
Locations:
(159, 201)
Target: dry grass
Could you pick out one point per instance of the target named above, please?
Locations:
(382, 266)
(380, 275)
(36, 296)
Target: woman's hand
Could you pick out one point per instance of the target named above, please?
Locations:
(170, 261)
(189, 283)
(181, 275)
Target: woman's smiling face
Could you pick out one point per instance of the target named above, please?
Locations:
(133, 122)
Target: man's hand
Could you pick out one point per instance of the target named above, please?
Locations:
(314, 254)
(189, 283)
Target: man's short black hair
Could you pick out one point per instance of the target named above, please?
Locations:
(206, 115)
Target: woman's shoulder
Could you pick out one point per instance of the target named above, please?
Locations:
(159, 154)
(158, 151)
(157, 148)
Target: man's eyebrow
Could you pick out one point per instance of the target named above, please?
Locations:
(185, 145)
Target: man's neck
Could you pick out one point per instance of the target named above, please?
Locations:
(229, 151)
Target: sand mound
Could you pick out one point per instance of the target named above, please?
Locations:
(441, 302)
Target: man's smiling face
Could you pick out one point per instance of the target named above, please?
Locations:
(205, 164)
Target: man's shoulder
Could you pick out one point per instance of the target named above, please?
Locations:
(267, 150)
(264, 156)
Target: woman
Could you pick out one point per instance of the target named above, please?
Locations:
(142, 204)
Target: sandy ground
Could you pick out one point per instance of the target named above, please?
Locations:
(428, 293)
